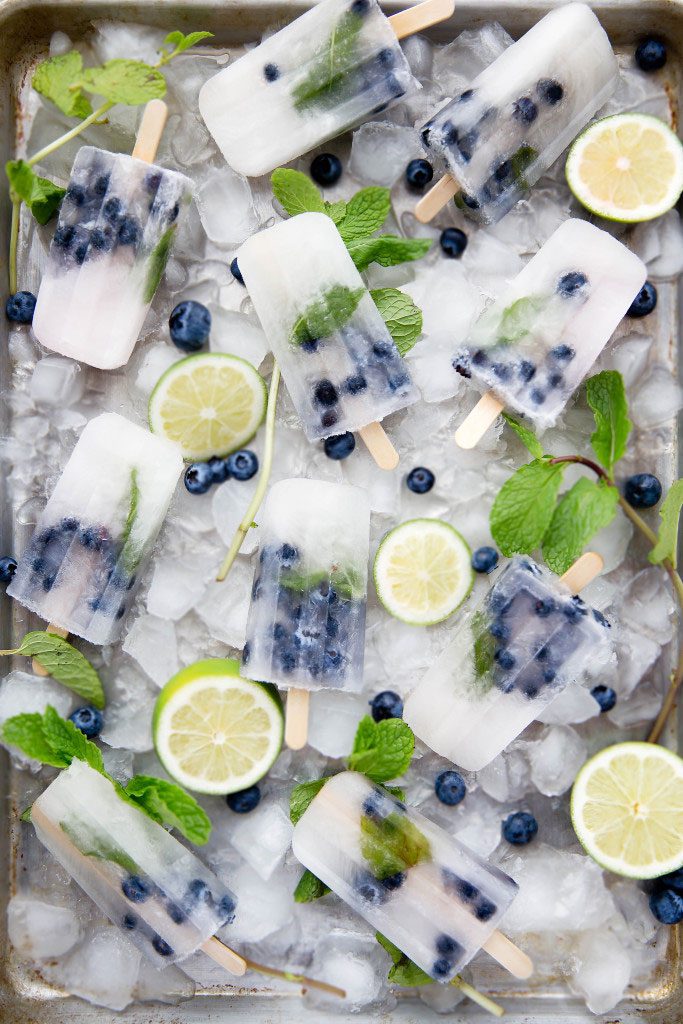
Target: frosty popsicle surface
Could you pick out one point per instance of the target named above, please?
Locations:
(339, 361)
(510, 656)
(431, 896)
(92, 540)
(501, 134)
(306, 624)
(116, 228)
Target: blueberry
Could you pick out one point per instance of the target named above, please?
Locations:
(550, 91)
(520, 828)
(129, 231)
(244, 801)
(246, 653)
(505, 659)
(574, 609)
(480, 358)
(102, 239)
(328, 419)
(20, 307)
(466, 95)
(667, 906)
(372, 806)
(89, 720)
(242, 465)
(386, 704)
(450, 788)
(398, 380)
(442, 967)
(563, 353)
(644, 302)
(544, 607)
(525, 110)
(370, 889)
(279, 632)
(153, 180)
(527, 370)
(470, 201)
(651, 54)
(571, 283)
(420, 480)
(394, 882)
(325, 393)
(332, 660)
(288, 555)
(100, 185)
(537, 396)
(326, 169)
(501, 370)
(339, 446)
(383, 349)
(460, 366)
(600, 618)
(453, 242)
(605, 696)
(360, 6)
(63, 236)
(220, 471)
(135, 890)
(271, 72)
(80, 252)
(189, 324)
(236, 272)
(355, 384)
(418, 174)
(129, 922)
(310, 345)
(499, 630)
(161, 946)
(76, 194)
(8, 567)
(197, 892)
(674, 880)
(447, 946)
(198, 477)
(226, 909)
(485, 559)
(642, 490)
(176, 913)
(112, 210)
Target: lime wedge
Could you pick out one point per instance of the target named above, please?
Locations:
(423, 571)
(209, 404)
(627, 168)
(215, 732)
(627, 809)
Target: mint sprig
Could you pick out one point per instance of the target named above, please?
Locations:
(402, 317)
(64, 663)
(606, 395)
(666, 547)
(583, 510)
(310, 888)
(382, 750)
(128, 82)
(176, 43)
(302, 795)
(168, 804)
(364, 213)
(41, 196)
(523, 509)
(57, 80)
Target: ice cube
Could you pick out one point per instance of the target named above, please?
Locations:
(263, 837)
(612, 542)
(556, 758)
(116, 39)
(235, 333)
(354, 962)
(628, 355)
(419, 52)
(263, 909)
(334, 718)
(103, 969)
(229, 504)
(381, 151)
(60, 44)
(657, 399)
(647, 605)
(572, 705)
(634, 907)
(191, 143)
(57, 381)
(226, 206)
(440, 998)
(152, 642)
(171, 986)
(118, 763)
(473, 50)
(383, 488)
(490, 264)
(177, 584)
(130, 702)
(669, 261)
(604, 970)
(155, 361)
(23, 693)
(507, 777)
(39, 930)
(224, 606)
(635, 655)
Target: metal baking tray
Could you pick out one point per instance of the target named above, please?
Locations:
(25, 30)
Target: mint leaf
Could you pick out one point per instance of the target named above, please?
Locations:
(69, 742)
(178, 42)
(524, 507)
(55, 79)
(296, 192)
(310, 888)
(26, 732)
(404, 971)
(387, 250)
(157, 262)
(365, 213)
(65, 664)
(606, 396)
(40, 195)
(581, 512)
(337, 211)
(669, 513)
(326, 315)
(130, 82)
(484, 647)
(382, 750)
(526, 436)
(168, 804)
(327, 76)
(401, 315)
(397, 791)
(301, 797)
(392, 845)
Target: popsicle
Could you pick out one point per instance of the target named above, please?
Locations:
(327, 71)
(339, 361)
(116, 228)
(426, 892)
(93, 539)
(306, 623)
(534, 345)
(497, 138)
(510, 656)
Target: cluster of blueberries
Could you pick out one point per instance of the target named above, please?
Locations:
(138, 890)
(201, 476)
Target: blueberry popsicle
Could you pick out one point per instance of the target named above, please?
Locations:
(327, 71)
(510, 656)
(339, 361)
(426, 892)
(497, 138)
(306, 623)
(95, 534)
(116, 228)
(533, 346)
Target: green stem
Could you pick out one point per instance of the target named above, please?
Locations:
(248, 520)
(478, 997)
(298, 979)
(13, 241)
(63, 139)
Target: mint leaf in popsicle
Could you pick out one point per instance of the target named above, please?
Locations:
(667, 541)
(301, 797)
(328, 70)
(586, 508)
(402, 317)
(41, 195)
(130, 82)
(56, 78)
(393, 844)
(295, 191)
(382, 750)
(365, 213)
(310, 888)
(403, 970)
(168, 804)
(524, 507)
(65, 664)
(327, 315)
(606, 396)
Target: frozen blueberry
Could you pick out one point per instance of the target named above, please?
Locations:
(339, 446)
(642, 490)
(102, 239)
(325, 393)
(63, 236)
(288, 555)
(644, 302)
(89, 720)
(198, 477)
(537, 396)
(176, 913)
(226, 909)
(236, 272)
(505, 659)
(420, 480)
(599, 617)
(220, 471)
(76, 194)
(442, 967)
(667, 906)
(129, 922)
(383, 349)
(418, 174)
(153, 180)
(197, 892)
(189, 324)
(527, 370)
(20, 307)
(112, 210)
(605, 696)
(447, 946)
(80, 252)
(501, 370)
(574, 609)
(571, 283)
(8, 567)
(326, 169)
(450, 788)
(550, 91)
(386, 704)
(100, 185)
(244, 801)
(544, 607)
(161, 946)
(355, 384)
(271, 72)
(332, 660)
(453, 242)
(520, 828)
(470, 201)
(129, 231)
(360, 6)
(563, 353)
(370, 889)
(394, 882)
(480, 358)
(499, 629)
(651, 54)
(485, 559)
(242, 465)
(525, 110)
(135, 889)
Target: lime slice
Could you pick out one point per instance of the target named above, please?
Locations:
(209, 404)
(627, 809)
(215, 732)
(423, 571)
(627, 168)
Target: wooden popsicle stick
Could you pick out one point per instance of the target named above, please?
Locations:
(296, 719)
(379, 446)
(226, 957)
(150, 131)
(437, 197)
(475, 425)
(509, 956)
(584, 570)
(414, 19)
(57, 631)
